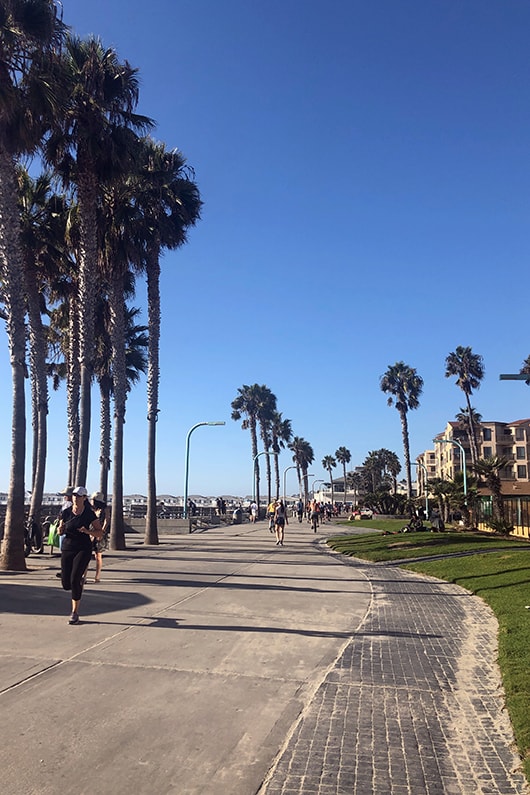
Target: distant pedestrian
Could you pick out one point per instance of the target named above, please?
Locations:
(102, 512)
(300, 510)
(78, 523)
(280, 520)
(271, 510)
(253, 511)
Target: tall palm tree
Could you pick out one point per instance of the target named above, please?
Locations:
(93, 144)
(404, 387)
(169, 203)
(265, 417)
(282, 433)
(43, 219)
(329, 463)
(135, 362)
(469, 370)
(247, 406)
(343, 456)
(28, 32)
(303, 457)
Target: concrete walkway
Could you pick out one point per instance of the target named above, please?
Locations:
(220, 663)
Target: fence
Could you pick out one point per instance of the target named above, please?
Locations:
(516, 513)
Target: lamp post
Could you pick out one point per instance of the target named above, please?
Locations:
(316, 481)
(285, 471)
(418, 464)
(187, 467)
(462, 460)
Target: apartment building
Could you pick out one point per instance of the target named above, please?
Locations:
(451, 449)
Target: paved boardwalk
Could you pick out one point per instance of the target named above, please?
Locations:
(412, 706)
(219, 664)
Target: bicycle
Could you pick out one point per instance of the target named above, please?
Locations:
(33, 538)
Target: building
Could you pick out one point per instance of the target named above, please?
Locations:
(510, 440)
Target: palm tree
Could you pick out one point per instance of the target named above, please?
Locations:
(170, 203)
(28, 32)
(247, 406)
(404, 387)
(343, 456)
(303, 457)
(488, 470)
(469, 370)
(135, 363)
(329, 463)
(469, 423)
(265, 417)
(282, 433)
(91, 146)
(42, 232)
(355, 481)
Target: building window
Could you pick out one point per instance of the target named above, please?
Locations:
(521, 471)
(487, 434)
(521, 453)
(486, 452)
(519, 434)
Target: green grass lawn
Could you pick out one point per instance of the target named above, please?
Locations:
(495, 569)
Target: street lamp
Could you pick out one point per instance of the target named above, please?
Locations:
(187, 467)
(418, 464)
(462, 460)
(317, 481)
(285, 471)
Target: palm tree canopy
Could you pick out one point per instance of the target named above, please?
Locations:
(468, 368)
(29, 31)
(403, 385)
(329, 463)
(303, 454)
(252, 401)
(343, 455)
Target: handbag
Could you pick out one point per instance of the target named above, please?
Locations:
(53, 535)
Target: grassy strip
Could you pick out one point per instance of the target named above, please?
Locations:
(497, 570)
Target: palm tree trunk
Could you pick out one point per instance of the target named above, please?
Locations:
(119, 378)
(73, 386)
(153, 380)
(255, 459)
(12, 557)
(406, 451)
(472, 434)
(277, 475)
(37, 356)
(105, 433)
(88, 250)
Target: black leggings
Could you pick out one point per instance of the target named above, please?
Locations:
(73, 567)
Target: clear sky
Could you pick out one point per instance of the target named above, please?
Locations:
(365, 173)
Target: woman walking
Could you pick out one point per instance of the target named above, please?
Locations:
(77, 524)
(280, 520)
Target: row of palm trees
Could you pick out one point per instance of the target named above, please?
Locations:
(404, 386)
(72, 243)
(256, 407)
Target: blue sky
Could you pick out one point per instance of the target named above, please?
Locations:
(366, 184)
